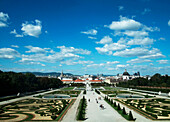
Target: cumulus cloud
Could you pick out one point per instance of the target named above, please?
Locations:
(163, 61)
(29, 29)
(91, 37)
(32, 29)
(169, 23)
(140, 52)
(153, 54)
(8, 53)
(119, 66)
(105, 40)
(3, 19)
(71, 62)
(16, 46)
(73, 50)
(124, 24)
(90, 32)
(136, 33)
(37, 54)
(141, 41)
(120, 8)
(108, 63)
(108, 48)
(29, 62)
(146, 10)
(161, 38)
(138, 61)
(16, 34)
(36, 49)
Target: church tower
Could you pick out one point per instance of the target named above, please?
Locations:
(61, 74)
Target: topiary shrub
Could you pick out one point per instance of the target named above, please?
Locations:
(84, 92)
(115, 104)
(118, 107)
(53, 117)
(124, 111)
(130, 116)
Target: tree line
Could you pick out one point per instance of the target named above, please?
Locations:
(156, 81)
(13, 83)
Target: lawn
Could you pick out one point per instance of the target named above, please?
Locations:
(68, 88)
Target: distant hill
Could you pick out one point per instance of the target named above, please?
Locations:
(48, 73)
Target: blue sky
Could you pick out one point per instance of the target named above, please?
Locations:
(85, 36)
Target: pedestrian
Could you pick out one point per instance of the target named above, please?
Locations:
(89, 100)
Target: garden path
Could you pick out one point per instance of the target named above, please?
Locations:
(95, 114)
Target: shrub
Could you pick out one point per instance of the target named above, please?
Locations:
(130, 116)
(82, 107)
(84, 92)
(115, 104)
(97, 91)
(118, 107)
(53, 117)
(165, 113)
(124, 111)
(111, 101)
(165, 107)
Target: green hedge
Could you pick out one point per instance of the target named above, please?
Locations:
(81, 109)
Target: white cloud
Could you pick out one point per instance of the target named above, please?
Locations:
(121, 66)
(136, 33)
(124, 24)
(151, 29)
(108, 63)
(129, 25)
(163, 61)
(3, 19)
(29, 62)
(90, 32)
(16, 34)
(71, 62)
(16, 46)
(32, 29)
(36, 49)
(122, 40)
(105, 40)
(91, 37)
(138, 61)
(120, 8)
(146, 10)
(73, 50)
(140, 52)
(108, 48)
(169, 23)
(50, 56)
(141, 41)
(8, 53)
(161, 38)
(113, 62)
(153, 54)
